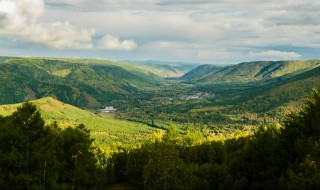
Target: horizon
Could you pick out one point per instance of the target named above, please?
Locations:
(155, 62)
(185, 31)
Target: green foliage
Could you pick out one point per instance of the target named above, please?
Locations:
(241, 96)
(165, 169)
(84, 83)
(162, 69)
(300, 140)
(274, 157)
(43, 152)
(172, 135)
(35, 156)
(104, 130)
(199, 71)
(250, 71)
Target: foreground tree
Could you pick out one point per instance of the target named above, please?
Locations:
(283, 156)
(300, 143)
(23, 140)
(35, 156)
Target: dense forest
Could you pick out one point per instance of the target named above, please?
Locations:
(38, 156)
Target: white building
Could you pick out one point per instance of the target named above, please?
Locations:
(109, 109)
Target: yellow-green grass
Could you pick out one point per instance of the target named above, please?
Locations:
(105, 130)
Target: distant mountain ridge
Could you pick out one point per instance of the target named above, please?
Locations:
(284, 92)
(249, 71)
(164, 69)
(201, 70)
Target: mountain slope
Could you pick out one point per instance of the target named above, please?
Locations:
(287, 92)
(104, 130)
(83, 83)
(163, 69)
(199, 71)
(254, 71)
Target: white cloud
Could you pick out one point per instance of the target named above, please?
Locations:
(214, 54)
(121, 2)
(274, 55)
(7, 7)
(228, 31)
(61, 35)
(168, 44)
(110, 42)
(21, 18)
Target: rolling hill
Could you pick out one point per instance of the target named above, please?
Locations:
(199, 71)
(163, 69)
(80, 82)
(282, 94)
(275, 98)
(262, 99)
(249, 71)
(103, 129)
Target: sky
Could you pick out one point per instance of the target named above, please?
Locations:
(196, 31)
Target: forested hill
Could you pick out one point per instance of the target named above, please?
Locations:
(285, 92)
(200, 70)
(80, 82)
(163, 69)
(250, 71)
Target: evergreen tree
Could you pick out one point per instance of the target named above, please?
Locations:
(24, 148)
(35, 156)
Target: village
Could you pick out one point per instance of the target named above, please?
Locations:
(198, 96)
(109, 109)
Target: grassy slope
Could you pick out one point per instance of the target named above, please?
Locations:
(104, 130)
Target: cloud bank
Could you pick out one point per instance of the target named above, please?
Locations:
(21, 18)
(113, 43)
(204, 31)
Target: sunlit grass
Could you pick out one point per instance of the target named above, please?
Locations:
(103, 129)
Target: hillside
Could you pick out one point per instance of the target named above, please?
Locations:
(282, 94)
(80, 82)
(265, 100)
(251, 71)
(163, 69)
(199, 71)
(104, 130)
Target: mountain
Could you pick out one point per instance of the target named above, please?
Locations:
(80, 82)
(250, 71)
(269, 96)
(199, 71)
(164, 69)
(282, 94)
(103, 129)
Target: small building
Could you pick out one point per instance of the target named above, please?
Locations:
(109, 109)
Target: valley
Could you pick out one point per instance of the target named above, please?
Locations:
(222, 101)
(102, 124)
(159, 94)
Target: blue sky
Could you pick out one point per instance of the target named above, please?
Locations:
(200, 31)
